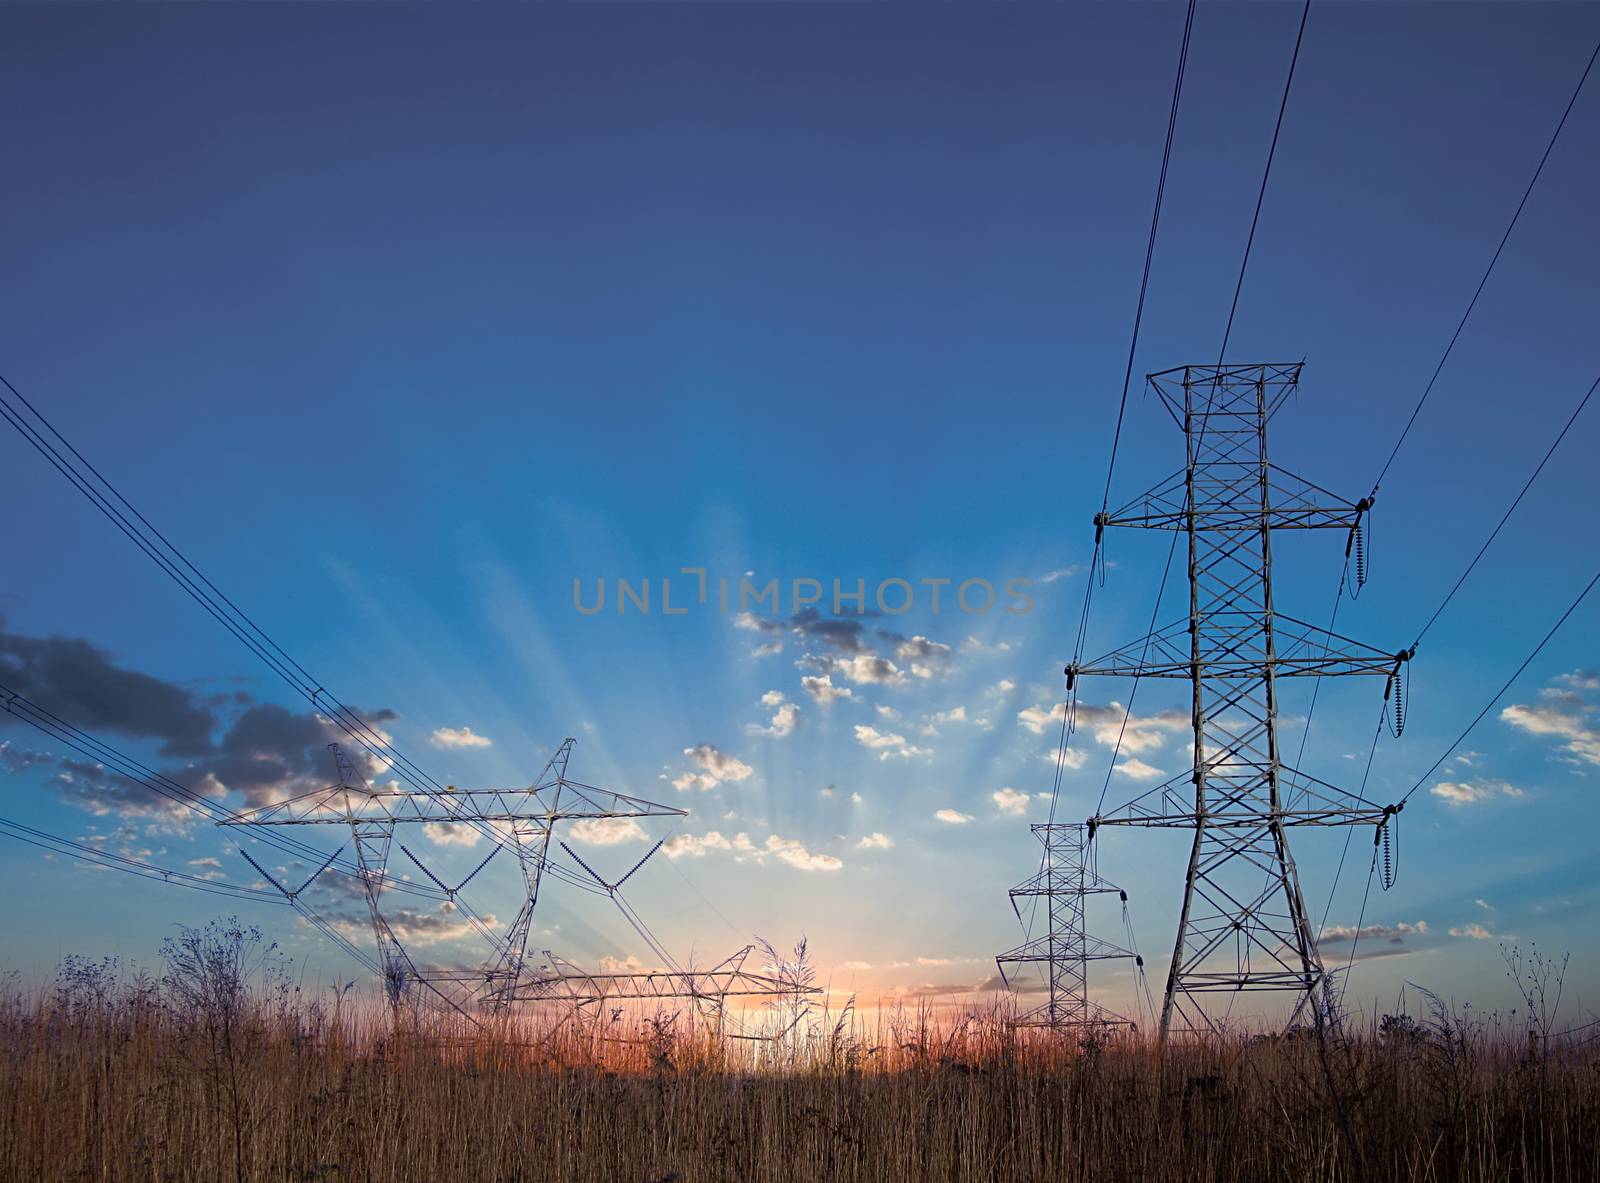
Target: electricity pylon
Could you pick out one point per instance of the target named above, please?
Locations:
(522, 820)
(709, 987)
(1243, 924)
(1064, 881)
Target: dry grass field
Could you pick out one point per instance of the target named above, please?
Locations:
(110, 1076)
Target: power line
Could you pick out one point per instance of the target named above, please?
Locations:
(1495, 258)
(1150, 246)
(1227, 333)
(1127, 379)
(106, 498)
(164, 786)
(1516, 501)
(1489, 706)
(1069, 707)
(142, 868)
(1266, 173)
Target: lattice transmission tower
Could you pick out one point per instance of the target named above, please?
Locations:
(1243, 924)
(1065, 880)
(521, 820)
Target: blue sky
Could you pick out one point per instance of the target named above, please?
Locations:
(399, 320)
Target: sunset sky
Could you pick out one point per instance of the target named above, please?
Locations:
(402, 321)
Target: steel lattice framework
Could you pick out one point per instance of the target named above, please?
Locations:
(522, 820)
(727, 979)
(1243, 924)
(1064, 881)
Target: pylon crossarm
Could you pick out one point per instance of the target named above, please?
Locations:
(1047, 883)
(1302, 650)
(502, 806)
(1053, 947)
(603, 987)
(1235, 787)
(1296, 504)
(1061, 1016)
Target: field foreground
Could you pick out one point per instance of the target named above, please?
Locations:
(124, 1083)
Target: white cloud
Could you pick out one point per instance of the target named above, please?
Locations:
(767, 649)
(1458, 793)
(1010, 802)
(886, 743)
(1003, 686)
(450, 833)
(864, 669)
(417, 928)
(952, 817)
(1137, 769)
(1112, 725)
(458, 737)
(851, 966)
(974, 645)
(1038, 719)
(786, 850)
(823, 691)
(1562, 714)
(1069, 758)
(855, 798)
(792, 852)
(1393, 933)
(680, 845)
(1060, 573)
(607, 831)
(1581, 679)
(919, 648)
(784, 718)
(1473, 931)
(875, 841)
(715, 767)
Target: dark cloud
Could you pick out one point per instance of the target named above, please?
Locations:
(917, 648)
(16, 759)
(100, 791)
(1017, 985)
(268, 750)
(844, 635)
(270, 753)
(79, 682)
(265, 752)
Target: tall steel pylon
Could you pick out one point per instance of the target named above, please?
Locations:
(1065, 879)
(522, 820)
(1243, 925)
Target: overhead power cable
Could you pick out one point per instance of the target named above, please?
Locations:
(159, 784)
(1516, 501)
(1150, 246)
(1227, 333)
(1127, 379)
(1489, 270)
(1261, 195)
(1499, 694)
(142, 868)
(66, 459)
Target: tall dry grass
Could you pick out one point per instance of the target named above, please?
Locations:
(129, 1079)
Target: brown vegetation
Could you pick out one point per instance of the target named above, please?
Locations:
(108, 1077)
